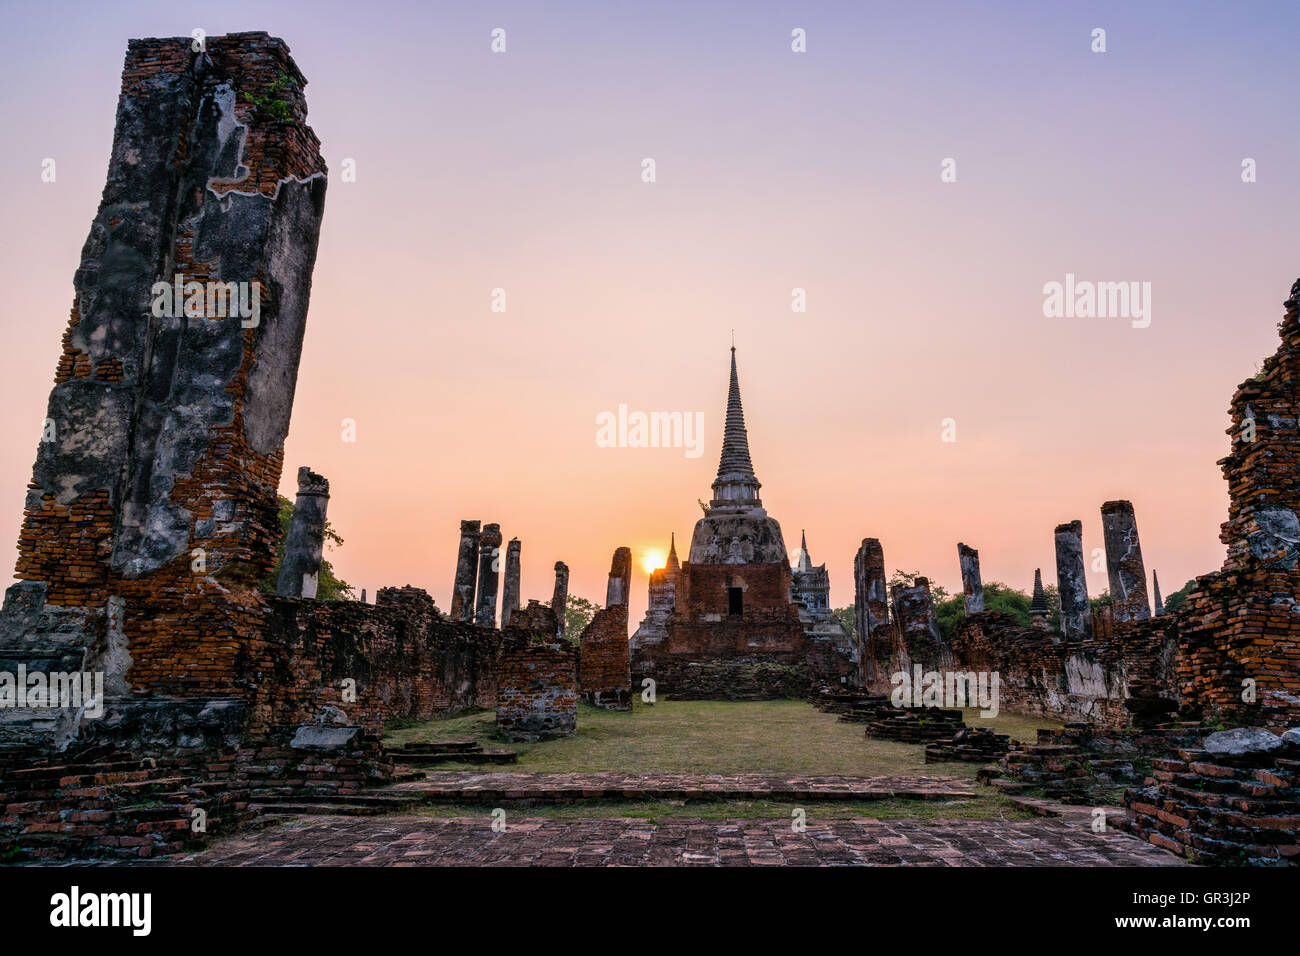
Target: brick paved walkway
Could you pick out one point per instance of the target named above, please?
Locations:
(459, 786)
(412, 841)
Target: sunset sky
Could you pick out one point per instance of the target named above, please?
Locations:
(775, 170)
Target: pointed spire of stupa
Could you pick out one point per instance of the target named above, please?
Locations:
(736, 484)
(1038, 606)
(802, 559)
(673, 563)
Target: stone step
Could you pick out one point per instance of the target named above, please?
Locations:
(470, 756)
(384, 802)
(467, 787)
(438, 746)
(319, 809)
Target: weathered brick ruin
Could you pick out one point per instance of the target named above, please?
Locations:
(538, 697)
(1128, 576)
(972, 585)
(1072, 582)
(1230, 800)
(151, 523)
(1134, 689)
(727, 623)
(604, 674)
(151, 518)
(304, 546)
(510, 590)
(1240, 624)
(151, 514)
(462, 589)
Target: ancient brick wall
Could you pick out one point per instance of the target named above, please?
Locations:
(151, 513)
(604, 661)
(703, 588)
(406, 661)
(737, 678)
(1089, 679)
(1221, 809)
(1243, 623)
(537, 690)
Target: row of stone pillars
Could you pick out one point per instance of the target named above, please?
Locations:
(1124, 567)
(474, 592)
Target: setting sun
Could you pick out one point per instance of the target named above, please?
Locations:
(652, 561)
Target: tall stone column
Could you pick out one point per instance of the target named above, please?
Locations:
(1072, 582)
(462, 590)
(871, 607)
(1128, 576)
(620, 578)
(155, 482)
(489, 558)
(510, 590)
(877, 605)
(560, 597)
(304, 545)
(971, 584)
(866, 663)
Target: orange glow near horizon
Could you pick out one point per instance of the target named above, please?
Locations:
(652, 561)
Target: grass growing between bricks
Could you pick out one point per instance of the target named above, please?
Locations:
(778, 736)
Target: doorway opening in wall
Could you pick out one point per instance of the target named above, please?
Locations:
(735, 601)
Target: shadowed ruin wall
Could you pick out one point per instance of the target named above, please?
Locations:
(151, 513)
(604, 677)
(405, 659)
(1243, 623)
(538, 697)
(1108, 682)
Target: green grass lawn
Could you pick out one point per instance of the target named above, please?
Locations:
(778, 736)
(1021, 727)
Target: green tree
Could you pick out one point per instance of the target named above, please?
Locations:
(328, 586)
(1100, 601)
(578, 612)
(1053, 594)
(1176, 600)
(848, 618)
(997, 597)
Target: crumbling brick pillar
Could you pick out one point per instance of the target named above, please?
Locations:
(489, 558)
(604, 651)
(1240, 627)
(918, 625)
(620, 578)
(510, 590)
(304, 545)
(1072, 582)
(462, 589)
(971, 584)
(560, 596)
(871, 608)
(155, 491)
(1128, 576)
